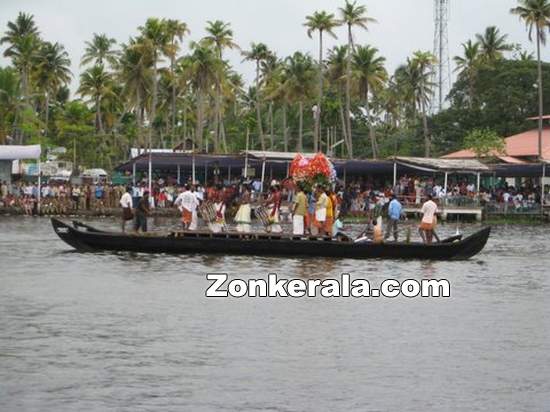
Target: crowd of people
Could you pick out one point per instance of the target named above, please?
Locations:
(358, 197)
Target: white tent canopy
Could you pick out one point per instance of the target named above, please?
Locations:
(19, 152)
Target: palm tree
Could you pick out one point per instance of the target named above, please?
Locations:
(276, 92)
(368, 68)
(468, 64)
(220, 35)
(337, 59)
(99, 51)
(322, 22)
(536, 16)
(52, 72)
(422, 66)
(525, 56)
(269, 68)
(9, 100)
(96, 83)
(134, 71)
(300, 82)
(201, 68)
(492, 44)
(154, 39)
(175, 30)
(352, 15)
(258, 52)
(23, 41)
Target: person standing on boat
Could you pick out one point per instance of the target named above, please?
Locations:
(187, 203)
(219, 207)
(242, 218)
(299, 212)
(142, 211)
(429, 209)
(126, 205)
(320, 210)
(274, 205)
(194, 216)
(394, 214)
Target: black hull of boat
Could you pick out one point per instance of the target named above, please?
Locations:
(87, 239)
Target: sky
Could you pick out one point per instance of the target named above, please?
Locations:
(403, 27)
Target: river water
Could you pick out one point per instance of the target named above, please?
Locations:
(135, 332)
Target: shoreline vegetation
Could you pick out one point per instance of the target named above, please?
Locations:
(163, 88)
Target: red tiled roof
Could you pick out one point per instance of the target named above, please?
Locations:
(520, 145)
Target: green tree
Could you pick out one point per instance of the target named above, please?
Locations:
(336, 73)
(423, 64)
(220, 36)
(97, 84)
(23, 42)
(52, 72)
(536, 16)
(201, 68)
(369, 70)
(322, 22)
(135, 72)
(100, 51)
(468, 64)
(175, 30)
(300, 83)
(9, 100)
(154, 39)
(258, 53)
(352, 15)
(484, 143)
(493, 45)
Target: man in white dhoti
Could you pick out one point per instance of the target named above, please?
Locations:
(187, 203)
(299, 212)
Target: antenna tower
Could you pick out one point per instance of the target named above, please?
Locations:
(442, 72)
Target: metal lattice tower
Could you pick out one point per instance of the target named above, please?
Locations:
(442, 72)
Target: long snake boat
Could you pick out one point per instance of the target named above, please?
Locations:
(86, 238)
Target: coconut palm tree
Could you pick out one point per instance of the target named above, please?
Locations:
(536, 16)
(322, 22)
(96, 83)
(258, 52)
(9, 100)
(468, 65)
(369, 70)
(220, 36)
(352, 15)
(154, 39)
(525, 56)
(201, 68)
(300, 83)
(22, 37)
(52, 72)
(269, 68)
(336, 73)
(135, 73)
(277, 93)
(422, 67)
(175, 31)
(493, 44)
(99, 51)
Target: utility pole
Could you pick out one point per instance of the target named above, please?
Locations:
(442, 72)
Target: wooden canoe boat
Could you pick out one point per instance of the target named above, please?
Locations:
(88, 239)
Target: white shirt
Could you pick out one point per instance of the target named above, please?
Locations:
(126, 200)
(187, 200)
(428, 210)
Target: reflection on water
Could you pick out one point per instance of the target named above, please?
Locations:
(132, 331)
